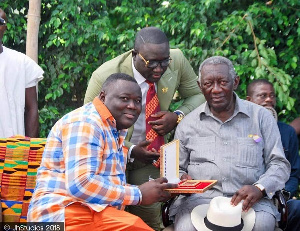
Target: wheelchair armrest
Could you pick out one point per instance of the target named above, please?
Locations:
(165, 212)
(280, 202)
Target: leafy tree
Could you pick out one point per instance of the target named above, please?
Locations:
(76, 37)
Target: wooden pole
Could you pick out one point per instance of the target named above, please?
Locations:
(33, 23)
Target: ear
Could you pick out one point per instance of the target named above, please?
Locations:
(199, 84)
(236, 82)
(102, 96)
(134, 53)
(248, 98)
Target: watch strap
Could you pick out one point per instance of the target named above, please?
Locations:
(180, 115)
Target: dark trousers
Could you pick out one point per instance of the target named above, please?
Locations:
(293, 215)
(137, 174)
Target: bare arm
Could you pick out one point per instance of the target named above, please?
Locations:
(31, 113)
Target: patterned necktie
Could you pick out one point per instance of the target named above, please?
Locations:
(152, 106)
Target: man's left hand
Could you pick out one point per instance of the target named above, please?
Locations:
(166, 121)
(250, 194)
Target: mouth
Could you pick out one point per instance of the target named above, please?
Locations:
(156, 76)
(130, 116)
(268, 105)
(217, 99)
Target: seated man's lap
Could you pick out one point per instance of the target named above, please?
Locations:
(264, 221)
(182, 221)
(182, 209)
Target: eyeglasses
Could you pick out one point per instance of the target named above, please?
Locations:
(2, 22)
(154, 63)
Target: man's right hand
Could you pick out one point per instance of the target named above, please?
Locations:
(141, 153)
(249, 193)
(154, 191)
(185, 177)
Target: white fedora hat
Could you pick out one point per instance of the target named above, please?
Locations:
(221, 215)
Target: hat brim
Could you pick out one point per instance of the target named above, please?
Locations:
(199, 213)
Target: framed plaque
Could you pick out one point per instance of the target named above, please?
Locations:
(169, 168)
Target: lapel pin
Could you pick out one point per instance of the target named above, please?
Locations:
(165, 90)
(256, 138)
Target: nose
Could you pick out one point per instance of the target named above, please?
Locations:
(158, 68)
(132, 105)
(216, 88)
(269, 99)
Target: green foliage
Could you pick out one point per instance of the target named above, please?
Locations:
(77, 36)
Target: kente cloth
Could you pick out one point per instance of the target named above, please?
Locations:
(20, 158)
(152, 106)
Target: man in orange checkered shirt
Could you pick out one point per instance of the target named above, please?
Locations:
(81, 180)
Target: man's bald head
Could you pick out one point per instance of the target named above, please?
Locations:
(152, 35)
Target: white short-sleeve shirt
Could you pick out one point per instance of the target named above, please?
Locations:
(17, 72)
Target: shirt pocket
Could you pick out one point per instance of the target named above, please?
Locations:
(202, 149)
(248, 152)
(113, 164)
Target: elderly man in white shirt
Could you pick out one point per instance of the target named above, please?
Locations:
(233, 141)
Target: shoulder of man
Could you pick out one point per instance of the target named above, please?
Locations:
(86, 114)
(252, 109)
(178, 60)
(20, 60)
(286, 128)
(14, 54)
(122, 63)
(115, 62)
(114, 65)
(176, 53)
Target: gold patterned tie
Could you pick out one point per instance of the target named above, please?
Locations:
(152, 106)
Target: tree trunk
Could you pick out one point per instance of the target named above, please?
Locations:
(33, 22)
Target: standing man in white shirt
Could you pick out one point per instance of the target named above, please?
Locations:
(19, 76)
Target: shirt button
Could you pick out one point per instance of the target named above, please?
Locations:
(225, 143)
(224, 178)
(224, 159)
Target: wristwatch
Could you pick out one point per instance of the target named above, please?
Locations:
(261, 188)
(180, 115)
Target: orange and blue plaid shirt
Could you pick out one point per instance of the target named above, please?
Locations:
(83, 161)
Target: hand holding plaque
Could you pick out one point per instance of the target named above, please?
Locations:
(169, 168)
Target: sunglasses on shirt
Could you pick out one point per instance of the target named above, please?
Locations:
(2, 22)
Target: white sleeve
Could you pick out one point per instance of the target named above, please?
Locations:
(33, 72)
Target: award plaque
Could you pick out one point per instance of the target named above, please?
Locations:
(169, 168)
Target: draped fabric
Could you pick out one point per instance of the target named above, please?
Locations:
(20, 158)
